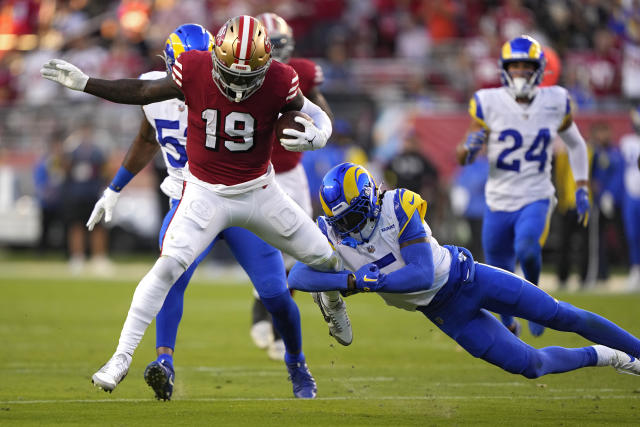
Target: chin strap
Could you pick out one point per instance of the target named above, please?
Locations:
(349, 241)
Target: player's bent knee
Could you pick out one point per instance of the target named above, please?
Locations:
(325, 263)
(534, 367)
(476, 341)
(528, 251)
(531, 373)
(280, 303)
(168, 269)
(270, 287)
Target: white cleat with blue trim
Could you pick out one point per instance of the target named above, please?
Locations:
(625, 363)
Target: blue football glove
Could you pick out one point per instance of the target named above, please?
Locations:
(368, 278)
(474, 142)
(582, 206)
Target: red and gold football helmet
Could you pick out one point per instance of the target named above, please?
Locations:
(281, 36)
(241, 57)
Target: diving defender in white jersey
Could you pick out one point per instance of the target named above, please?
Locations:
(387, 247)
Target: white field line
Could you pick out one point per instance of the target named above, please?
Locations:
(336, 398)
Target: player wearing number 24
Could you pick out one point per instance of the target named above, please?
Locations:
(234, 96)
(518, 122)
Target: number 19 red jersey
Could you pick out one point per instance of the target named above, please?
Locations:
(230, 142)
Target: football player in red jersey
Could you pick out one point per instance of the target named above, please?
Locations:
(234, 97)
(291, 176)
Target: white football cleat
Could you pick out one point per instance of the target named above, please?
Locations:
(114, 371)
(262, 334)
(335, 314)
(276, 350)
(625, 363)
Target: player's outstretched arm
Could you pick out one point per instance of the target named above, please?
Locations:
(123, 91)
(140, 153)
(307, 279)
(418, 271)
(416, 275)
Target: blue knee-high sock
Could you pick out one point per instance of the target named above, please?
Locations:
(286, 319)
(169, 317)
(553, 360)
(594, 328)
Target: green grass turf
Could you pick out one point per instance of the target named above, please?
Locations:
(400, 370)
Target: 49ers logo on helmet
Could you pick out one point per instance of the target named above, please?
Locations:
(220, 36)
(267, 45)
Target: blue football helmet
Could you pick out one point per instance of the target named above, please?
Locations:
(349, 198)
(186, 37)
(523, 48)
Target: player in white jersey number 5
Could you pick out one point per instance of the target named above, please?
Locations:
(387, 247)
(518, 122)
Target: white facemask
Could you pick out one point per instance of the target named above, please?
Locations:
(520, 86)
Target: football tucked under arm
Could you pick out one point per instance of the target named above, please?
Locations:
(316, 131)
(287, 120)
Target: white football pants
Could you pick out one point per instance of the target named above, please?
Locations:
(294, 182)
(260, 205)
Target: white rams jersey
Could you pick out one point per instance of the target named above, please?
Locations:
(630, 148)
(169, 119)
(519, 143)
(383, 247)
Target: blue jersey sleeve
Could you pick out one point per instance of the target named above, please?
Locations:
(304, 278)
(416, 275)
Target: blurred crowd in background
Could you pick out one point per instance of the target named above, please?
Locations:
(398, 76)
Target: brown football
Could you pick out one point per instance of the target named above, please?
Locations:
(287, 121)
